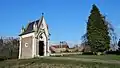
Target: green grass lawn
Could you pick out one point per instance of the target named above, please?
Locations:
(61, 62)
(101, 57)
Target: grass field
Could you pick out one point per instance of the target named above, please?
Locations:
(101, 57)
(81, 61)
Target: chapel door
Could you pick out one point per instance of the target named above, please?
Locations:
(41, 48)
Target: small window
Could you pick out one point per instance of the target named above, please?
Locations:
(26, 44)
(42, 25)
(41, 37)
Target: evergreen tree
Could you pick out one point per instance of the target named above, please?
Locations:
(119, 45)
(97, 31)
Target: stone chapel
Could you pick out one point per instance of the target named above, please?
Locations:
(34, 39)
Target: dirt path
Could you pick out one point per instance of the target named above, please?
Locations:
(85, 60)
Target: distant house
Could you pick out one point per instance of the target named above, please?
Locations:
(34, 39)
(58, 48)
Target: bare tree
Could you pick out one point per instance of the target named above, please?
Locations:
(9, 47)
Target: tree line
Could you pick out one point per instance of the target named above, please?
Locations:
(9, 48)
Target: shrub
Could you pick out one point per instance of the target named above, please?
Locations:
(99, 53)
(87, 53)
(2, 58)
(113, 52)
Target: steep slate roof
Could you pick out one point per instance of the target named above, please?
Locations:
(29, 28)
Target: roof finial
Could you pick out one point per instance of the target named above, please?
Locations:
(42, 14)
